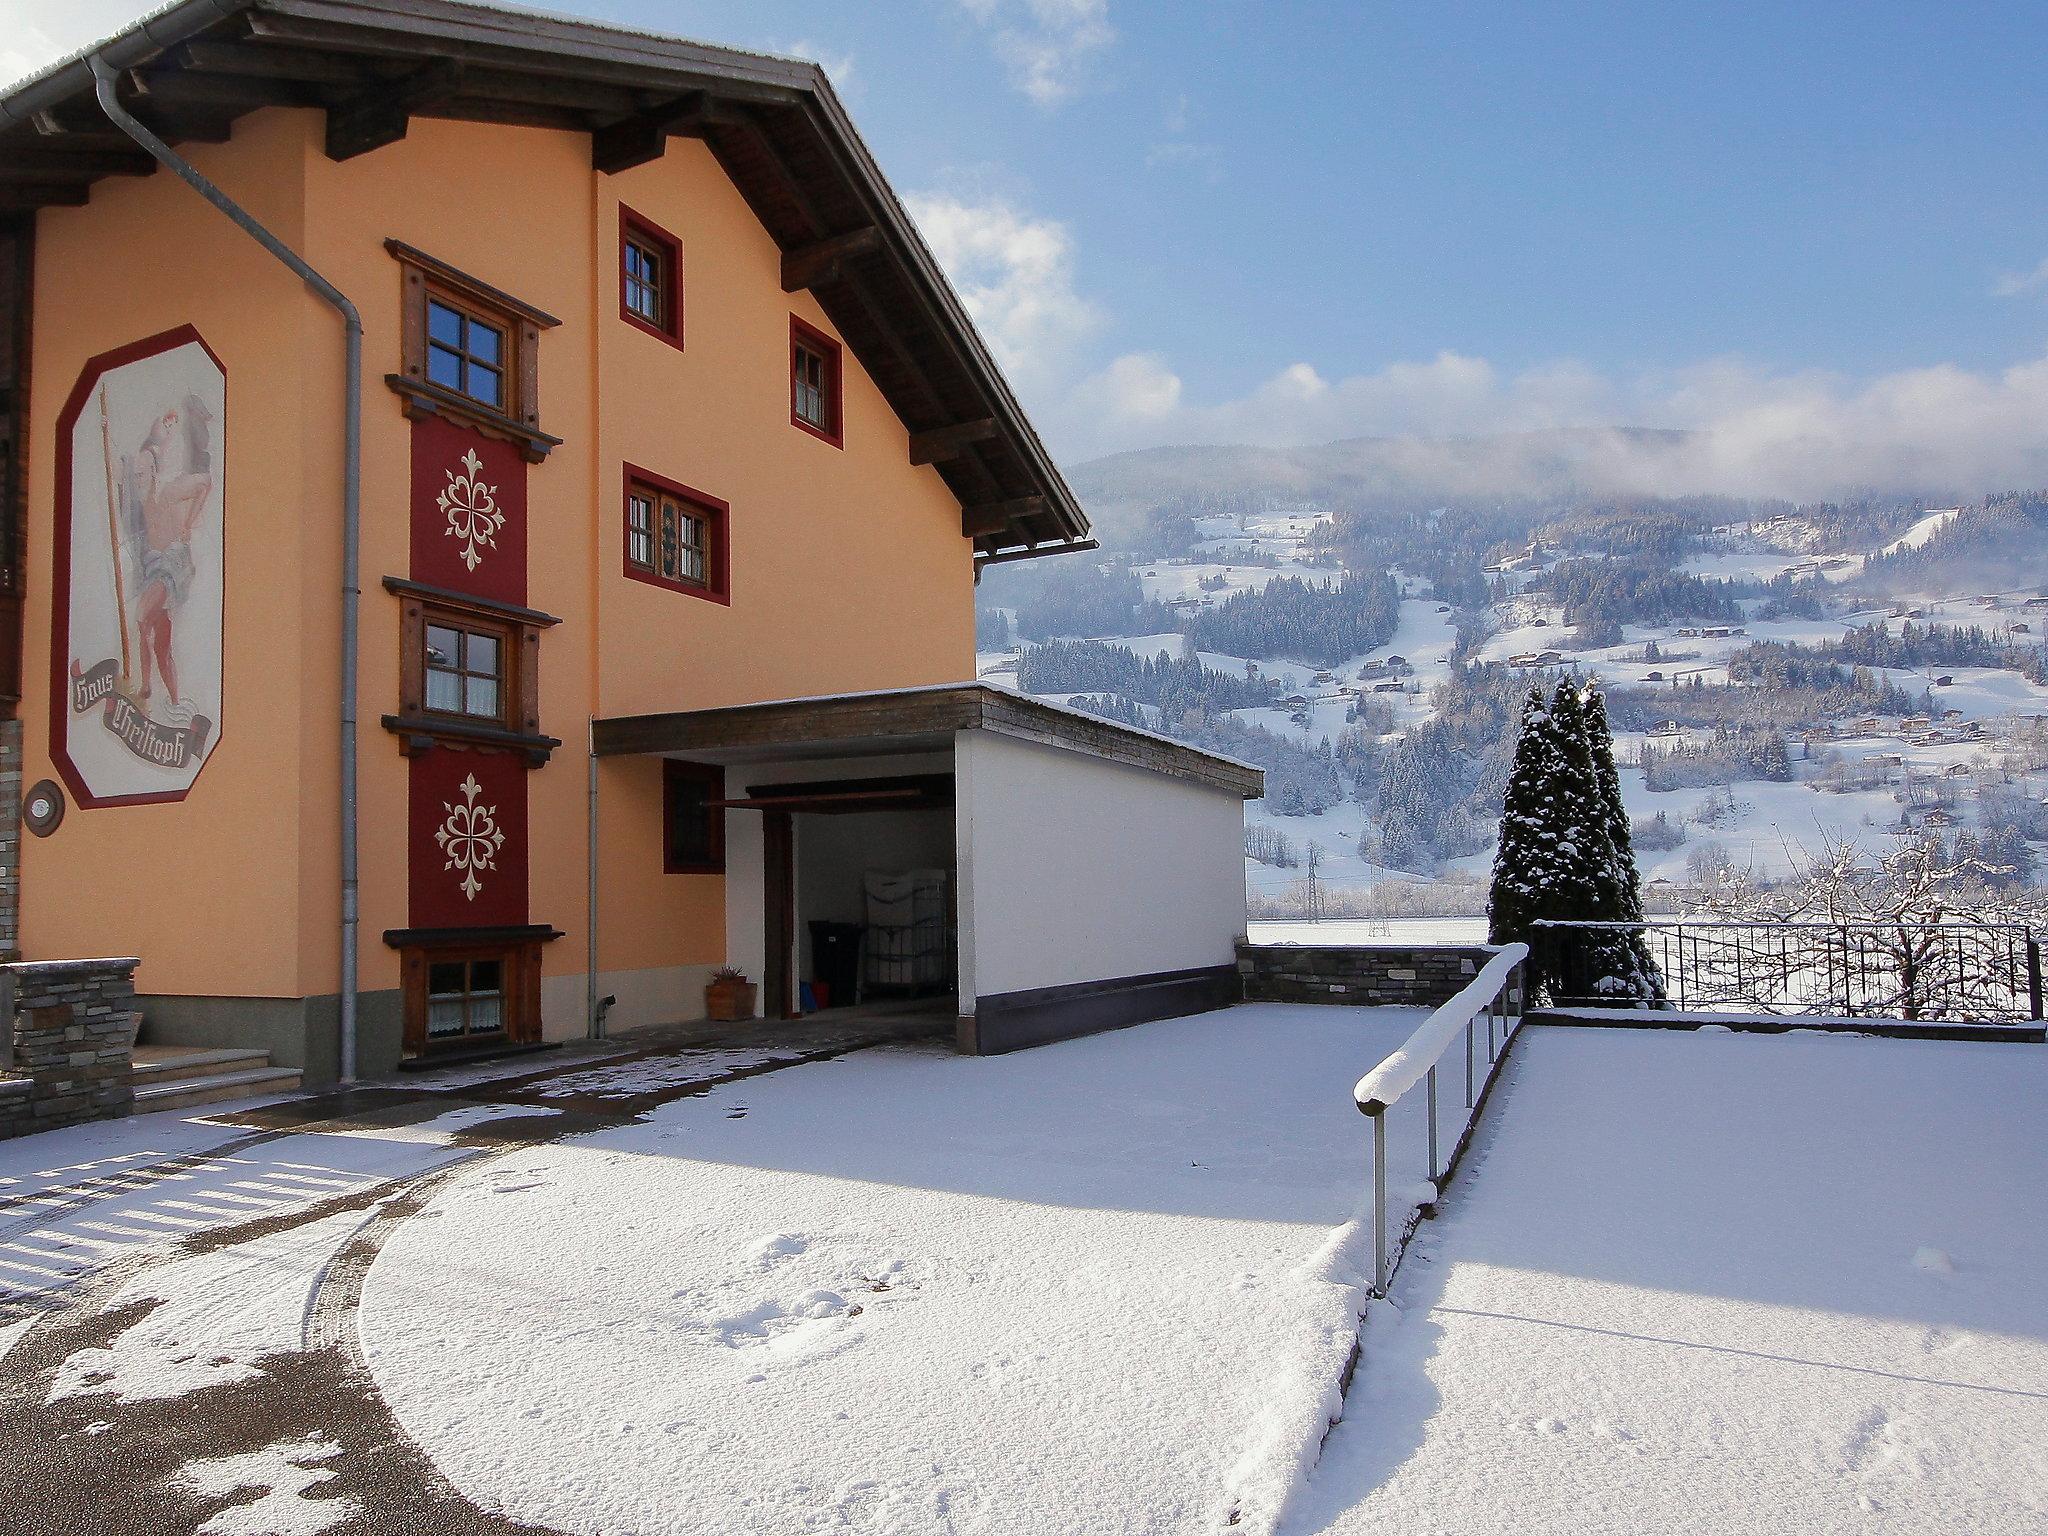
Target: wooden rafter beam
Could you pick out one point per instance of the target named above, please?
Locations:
(28, 199)
(174, 89)
(35, 163)
(939, 444)
(379, 115)
(988, 517)
(644, 136)
(215, 58)
(823, 261)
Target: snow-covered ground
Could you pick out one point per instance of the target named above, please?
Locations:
(1083, 1288)
(1720, 1284)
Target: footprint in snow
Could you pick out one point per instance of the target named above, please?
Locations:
(1933, 1260)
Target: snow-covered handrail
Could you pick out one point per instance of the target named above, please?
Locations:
(1498, 993)
(1382, 1087)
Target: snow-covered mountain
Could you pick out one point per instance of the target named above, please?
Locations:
(1363, 617)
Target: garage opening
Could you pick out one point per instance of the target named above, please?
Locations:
(860, 889)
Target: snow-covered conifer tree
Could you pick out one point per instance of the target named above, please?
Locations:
(1619, 883)
(1537, 871)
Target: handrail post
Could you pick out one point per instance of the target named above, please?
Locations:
(1468, 1061)
(1379, 1204)
(2033, 976)
(1431, 1089)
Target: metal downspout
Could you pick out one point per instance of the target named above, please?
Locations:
(351, 513)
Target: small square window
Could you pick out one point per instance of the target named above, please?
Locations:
(693, 827)
(465, 997)
(464, 671)
(814, 378)
(470, 352)
(465, 353)
(650, 277)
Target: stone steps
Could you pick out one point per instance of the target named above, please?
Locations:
(162, 1064)
(183, 1092)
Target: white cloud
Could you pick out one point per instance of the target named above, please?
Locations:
(1046, 45)
(1138, 388)
(1016, 275)
(1802, 435)
(2011, 285)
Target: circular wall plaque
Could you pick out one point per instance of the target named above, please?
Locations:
(42, 808)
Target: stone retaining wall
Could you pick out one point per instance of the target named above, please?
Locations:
(1421, 976)
(71, 1037)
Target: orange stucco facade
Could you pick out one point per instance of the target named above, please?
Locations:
(848, 568)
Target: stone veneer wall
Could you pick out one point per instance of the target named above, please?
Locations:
(1421, 976)
(72, 1037)
(10, 839)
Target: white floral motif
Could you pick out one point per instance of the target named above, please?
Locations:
(472, 510)
(470, 837)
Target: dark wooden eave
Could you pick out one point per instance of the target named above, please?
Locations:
(775, 126)
(904, 721)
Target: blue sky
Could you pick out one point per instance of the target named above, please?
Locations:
(1223, 220)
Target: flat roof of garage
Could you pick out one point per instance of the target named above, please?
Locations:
(901, 720)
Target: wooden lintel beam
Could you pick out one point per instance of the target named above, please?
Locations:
(809, 266)
(993, 516)
(939, 444)
(379, 116)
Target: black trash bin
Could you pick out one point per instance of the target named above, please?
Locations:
(835, 960)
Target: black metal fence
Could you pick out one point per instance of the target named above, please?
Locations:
(1973, 972)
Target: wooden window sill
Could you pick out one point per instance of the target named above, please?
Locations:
(425, 399)
(418, 733)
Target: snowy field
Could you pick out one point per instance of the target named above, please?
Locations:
(1083, 1288)
(1714, 1283)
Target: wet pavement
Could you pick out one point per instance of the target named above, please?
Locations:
(308, 1428)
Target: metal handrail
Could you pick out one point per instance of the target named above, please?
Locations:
(1888, 967)
(1831, 924)
(1498, 992)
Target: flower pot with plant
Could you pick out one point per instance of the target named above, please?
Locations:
(728, 996)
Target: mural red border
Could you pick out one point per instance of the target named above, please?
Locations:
(60, 559)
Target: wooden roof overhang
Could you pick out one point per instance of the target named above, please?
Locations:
(908, 720)
(775, 125)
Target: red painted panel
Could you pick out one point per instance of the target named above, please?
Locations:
(468, 511)
(467, 834)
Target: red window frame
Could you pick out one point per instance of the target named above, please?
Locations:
(637, 229)
(808, 338)
(711, 778)
(716, 517)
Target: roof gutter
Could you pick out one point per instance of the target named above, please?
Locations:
(104, 74)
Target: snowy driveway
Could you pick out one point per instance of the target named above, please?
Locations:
(1069, 1290)
(1719, 1284)
(1093, 1287)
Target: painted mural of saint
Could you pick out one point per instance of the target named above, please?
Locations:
(165, 487)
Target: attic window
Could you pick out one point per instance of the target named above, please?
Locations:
(650, 277)
(814, 394)
(469, 352)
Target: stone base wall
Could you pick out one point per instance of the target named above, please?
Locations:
(1422, 976)
(71, 1039)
